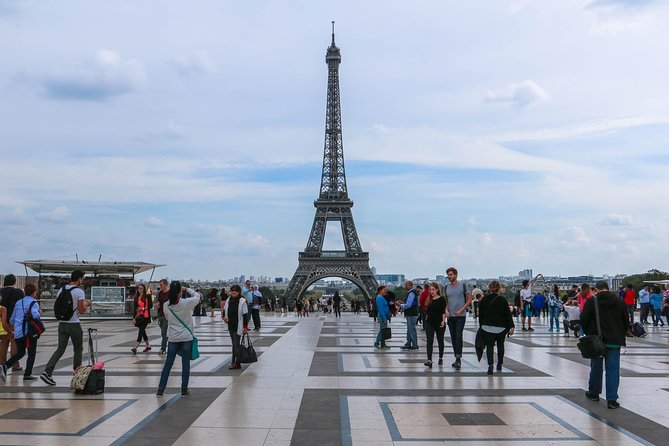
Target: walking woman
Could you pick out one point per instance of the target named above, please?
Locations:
(236, 310)
(435, 322)
(179, 314)
(496, 321)
(555, 307)
(143, 303)
(23, 342)
(212, 300)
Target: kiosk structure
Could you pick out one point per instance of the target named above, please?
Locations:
(109, 285)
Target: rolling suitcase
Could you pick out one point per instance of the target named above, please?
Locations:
(638, 331)
(95, 384)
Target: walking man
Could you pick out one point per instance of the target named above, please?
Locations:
(630, 301)
(336, 300)
(644, 300)
(70, 329)
(458, 301)
(526, 309)
(163, 296)
(411, 316)
(255, 302)
(614, 323)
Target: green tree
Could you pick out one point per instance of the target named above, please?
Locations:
(637, 280)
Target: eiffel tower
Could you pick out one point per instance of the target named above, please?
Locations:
(333, 204)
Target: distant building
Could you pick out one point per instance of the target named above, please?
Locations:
(525, 274)
(391, 279)
(441, 279)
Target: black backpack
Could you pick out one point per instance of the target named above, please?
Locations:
(63, 307)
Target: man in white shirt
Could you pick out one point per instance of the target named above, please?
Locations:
(70, 329)
(526, 305)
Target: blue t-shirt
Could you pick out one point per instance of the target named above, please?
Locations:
(19, 315)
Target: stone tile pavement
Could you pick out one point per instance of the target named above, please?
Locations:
(320, 382)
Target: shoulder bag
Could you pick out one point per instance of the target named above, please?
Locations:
(195, 351)
(246, 354)
(592, 346)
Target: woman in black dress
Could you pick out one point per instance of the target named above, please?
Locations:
(435, 322)
(496, 322)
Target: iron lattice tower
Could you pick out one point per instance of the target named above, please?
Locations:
(333, 204)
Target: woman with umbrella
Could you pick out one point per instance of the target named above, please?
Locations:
(496, 322)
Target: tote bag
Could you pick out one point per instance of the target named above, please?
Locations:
(247, 354)
(195, 350)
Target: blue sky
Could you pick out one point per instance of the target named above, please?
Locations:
(490, 135)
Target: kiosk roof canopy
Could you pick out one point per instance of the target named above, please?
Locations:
(94, 268)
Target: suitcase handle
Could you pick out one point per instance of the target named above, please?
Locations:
(92, 352)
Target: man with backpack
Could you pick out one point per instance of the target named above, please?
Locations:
(458, 300)
(69, 304)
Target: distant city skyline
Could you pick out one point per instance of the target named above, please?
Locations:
(490, 136)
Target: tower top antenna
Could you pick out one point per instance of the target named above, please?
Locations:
(333, 32)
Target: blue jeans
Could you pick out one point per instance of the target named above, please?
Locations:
(612, 362)
(412, 336)
(182, 349)
(456, 325)
(554, 315)
(382, 324)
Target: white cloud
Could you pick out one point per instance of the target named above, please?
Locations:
(198, 62)
(592, 128)
(521, 95)
(172, 131)
(574, 237)
(59, 214)
(154, 222)
(486, 239)
(95, 79)
(17, 216)
(617, 220)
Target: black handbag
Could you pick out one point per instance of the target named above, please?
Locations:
(33, 328)
(246, 354)
(386, 333)
(592, 346)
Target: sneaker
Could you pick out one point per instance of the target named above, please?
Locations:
(29, 378)
(457, 364)
(185, 391)
(592, 396)
(530, 329)
(428, 364)
(46, 377)
(147, 349)
(3, 372)
(499, 367)
(611, 404)
(489, 369)
(160, 393)
(405, 347)
(377, 346)
(524, 329)
(414, 348)
(162, 351)
(134, 351)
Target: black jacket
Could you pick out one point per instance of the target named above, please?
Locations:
(613, 317)
(494, 311)
(10, 296)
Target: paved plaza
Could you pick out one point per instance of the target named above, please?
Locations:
(319, 382)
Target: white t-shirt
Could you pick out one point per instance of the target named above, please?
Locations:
(77, 295)
(526, 294)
